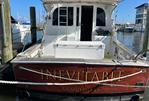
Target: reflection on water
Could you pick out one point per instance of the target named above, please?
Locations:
(8, 93)
(131, 40)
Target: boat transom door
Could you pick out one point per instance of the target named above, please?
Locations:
(86, 23)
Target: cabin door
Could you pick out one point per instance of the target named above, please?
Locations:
(86, 23)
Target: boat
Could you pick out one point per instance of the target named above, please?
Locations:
(126, 28)
(129, 29)
(20, 32)
(80, 55)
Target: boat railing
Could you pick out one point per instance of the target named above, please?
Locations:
(31, 52)
(121, 52)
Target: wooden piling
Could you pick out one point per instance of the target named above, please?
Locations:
(5, 19)
(145, 47)
(1, 28)
(146, 93)
(33, 24)
(146, 34)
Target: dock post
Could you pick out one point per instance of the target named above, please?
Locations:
(1, 29)
(5, 26)
(146, 93)
(146, 34)
(33, 25)
(146, 46)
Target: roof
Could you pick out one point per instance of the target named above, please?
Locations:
(81, 1)
(143, 5)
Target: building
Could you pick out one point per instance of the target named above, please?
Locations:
(141, 14)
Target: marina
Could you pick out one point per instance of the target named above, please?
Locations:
(127, 38)
(78, 54)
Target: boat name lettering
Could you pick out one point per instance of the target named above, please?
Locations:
(80, 75)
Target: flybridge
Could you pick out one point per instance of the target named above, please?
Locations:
(82, 1)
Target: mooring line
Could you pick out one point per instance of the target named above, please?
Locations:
(75, 82)
(67, 84)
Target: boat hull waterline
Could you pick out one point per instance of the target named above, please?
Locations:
(82, 79)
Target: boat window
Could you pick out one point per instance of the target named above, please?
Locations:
(55, 17)
(63, 16)
(139, 21)
(63, 11)
(100, 20)
(70, 16)
(77, 21)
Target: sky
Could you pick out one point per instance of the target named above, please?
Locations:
(20, 9)
(125, 11)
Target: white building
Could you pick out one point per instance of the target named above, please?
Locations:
(141, 13)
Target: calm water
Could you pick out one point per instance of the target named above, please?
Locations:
(131, 40)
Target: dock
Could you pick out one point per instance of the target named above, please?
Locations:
(7, 51)
(0, 46)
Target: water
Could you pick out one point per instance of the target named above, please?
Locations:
(8, 93)
(27, 37)
(132, 40)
